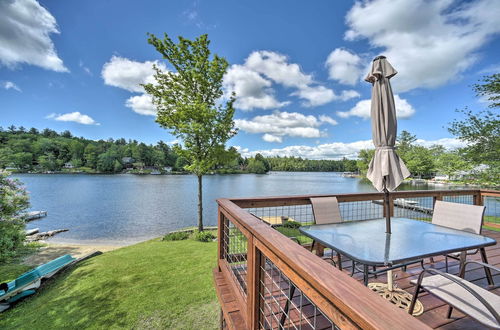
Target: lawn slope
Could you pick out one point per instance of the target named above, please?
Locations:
(151, 285)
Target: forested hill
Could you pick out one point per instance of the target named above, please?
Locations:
(49, 151)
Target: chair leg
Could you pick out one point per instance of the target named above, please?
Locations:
(413, 300)
(484, 259)
(431, 258)
(450, 310)
(374, 271)
(312, 245)
(339, 260)
(446, 263)
(422, 262)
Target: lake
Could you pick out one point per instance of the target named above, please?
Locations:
(125, 208)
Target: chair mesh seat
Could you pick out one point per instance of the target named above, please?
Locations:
(453, 294)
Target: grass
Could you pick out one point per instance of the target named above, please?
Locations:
(151, 285)
(11, 269)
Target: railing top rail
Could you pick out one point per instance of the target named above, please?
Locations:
(357, 302)
(304, 199)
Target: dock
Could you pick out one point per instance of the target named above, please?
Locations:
(409, 205)
(33, 215)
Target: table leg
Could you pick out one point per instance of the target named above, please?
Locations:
(486, 269)
(463, 258)
(365, 274)
(390, 285)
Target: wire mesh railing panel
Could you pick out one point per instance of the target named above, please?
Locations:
(276, 215)
(492, 212)
(417, 208)
(235, 247)
(361, 210)
(462, 199)
(282, 305)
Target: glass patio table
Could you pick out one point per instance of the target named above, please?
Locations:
(365, 241)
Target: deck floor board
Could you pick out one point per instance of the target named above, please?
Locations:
(435, 310)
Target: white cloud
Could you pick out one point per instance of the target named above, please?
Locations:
(448, 143)
(10, 85)
(25, 28)
(362, 109)
(429, 42)
(252, 82)
(280, 124)
(128, 74)
(84, 68)
(141, 104)
(327, 119)
(272, 138)
(348, 94)
(252, 90)
(344, 66)
(76, 117)
(338, 150)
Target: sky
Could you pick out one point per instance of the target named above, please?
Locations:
(297, 67)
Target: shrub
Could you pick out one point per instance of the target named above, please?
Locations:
(291, 224)
(13, 202)
(176, 236)
(11, 239)
(203, 236)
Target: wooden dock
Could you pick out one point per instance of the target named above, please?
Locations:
(408, 205)
(33, 215)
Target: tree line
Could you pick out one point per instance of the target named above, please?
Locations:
(46, 150)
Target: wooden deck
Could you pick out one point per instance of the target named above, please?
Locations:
(434, 309)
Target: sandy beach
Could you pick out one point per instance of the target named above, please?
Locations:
(53, 250)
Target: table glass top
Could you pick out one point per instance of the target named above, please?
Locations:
(367, 242)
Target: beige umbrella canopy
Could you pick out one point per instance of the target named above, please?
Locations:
(386, 170)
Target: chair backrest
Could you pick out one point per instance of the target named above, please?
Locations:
(458, 216)
(325, 210)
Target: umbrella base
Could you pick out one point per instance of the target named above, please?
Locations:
(398, 297)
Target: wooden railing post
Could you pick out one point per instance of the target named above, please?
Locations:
(478, 198)
(254, 262)
(220, 234)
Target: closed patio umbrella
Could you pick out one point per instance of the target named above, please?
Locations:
(386, 170)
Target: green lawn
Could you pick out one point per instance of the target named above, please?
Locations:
(151, 285)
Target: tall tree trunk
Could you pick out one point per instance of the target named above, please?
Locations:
(200, 203)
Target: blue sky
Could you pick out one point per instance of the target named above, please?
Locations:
(296, 66)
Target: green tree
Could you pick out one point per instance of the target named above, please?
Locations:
(364, 158)
(22, 160)
(106, 163)
(14, 201)
(420, 161)
(90, 156)
(47, 162)
(481, 131)
(188, 103)
(256, 166)
(450, 163)
(490, 88)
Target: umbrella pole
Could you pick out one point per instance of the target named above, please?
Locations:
(387, 210)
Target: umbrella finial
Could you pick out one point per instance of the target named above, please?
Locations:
(380, 57)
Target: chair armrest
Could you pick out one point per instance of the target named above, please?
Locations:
(486, 304)
(482, 264)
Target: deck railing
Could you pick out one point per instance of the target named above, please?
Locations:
(278, 284)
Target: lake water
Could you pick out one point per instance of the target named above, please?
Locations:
(121, 209)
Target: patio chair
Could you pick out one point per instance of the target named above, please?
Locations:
(462, 217)
(325, 211)
(479, 303)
